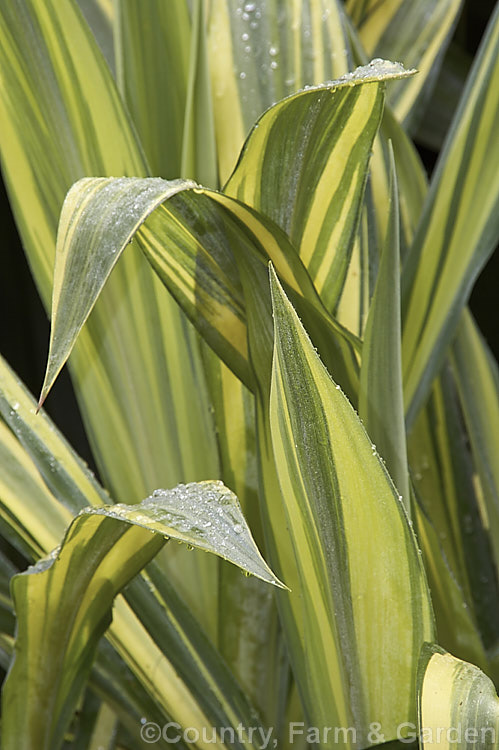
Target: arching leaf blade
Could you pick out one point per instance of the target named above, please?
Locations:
(458, 704)
(102, 550)
(199, 267)
(54, 78)
(458, 228)
(262, 54)
(416, 33)
(310, 178)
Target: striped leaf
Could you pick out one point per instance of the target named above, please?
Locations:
(411, 174)
(444, 478)
(100, 15)
(73, 589)
(310, 178)
(158, 62)
(259, 53)
(53, 77)
(152, 50)
(191, 244)
(381, 401)
(477, 382)
(169, 662)
(445, 96)
(458, 229)
(454, 617)
(416, 32)
(458, 703)
(347, 525)
(199, 157)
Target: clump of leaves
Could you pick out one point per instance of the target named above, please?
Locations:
(234, 234)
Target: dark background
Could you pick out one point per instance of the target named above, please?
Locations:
(24, 328)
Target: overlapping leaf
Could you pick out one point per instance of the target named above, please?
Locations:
(191, 684)
(477, 382)
(443, 472)
(153, 69)
(416, 33)
(458, 228)
(73, 589)
(310, 178)
(261, 52)
(61, 118)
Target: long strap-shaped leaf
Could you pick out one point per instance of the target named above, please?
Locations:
(54, 79)
(72, 592)
(381, 402)
(171, 661)
(260, 52)
(347, 525)
(152, 41)
(310, 178)
(444, 479)
(458, 229)
(158, 62)
(416, 32)
(454, 617)
(458, 705)
(191, 244)
(99, 15)
(477, 381)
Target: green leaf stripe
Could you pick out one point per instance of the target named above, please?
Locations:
(458, 228)
(459, 707)
(347, 524)
(315, 194)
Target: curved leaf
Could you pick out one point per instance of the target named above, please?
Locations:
(477, 381)
(347, 525)
(446, 483)
(458, 229)
(306, 169)
(169, 661)
(54, 78)
(152, 50)
(455, 619)
(73, 589)
(416, 33)
(194, 243)
(261, 52)
(458, 705)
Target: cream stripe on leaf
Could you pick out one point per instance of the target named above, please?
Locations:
(200, 267)
(346, 525)
(458, 705)
(61, 118)
(310, 179)
(477, 382)
(260, 52)
(100, 16)
(454, 617)
(458, 228)
(416, 32)
(158, 62)
(73, 590)
(152, 45)
(381, 401)
(445, 480)
(192, 678)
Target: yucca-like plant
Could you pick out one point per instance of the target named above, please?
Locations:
(261, 295)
